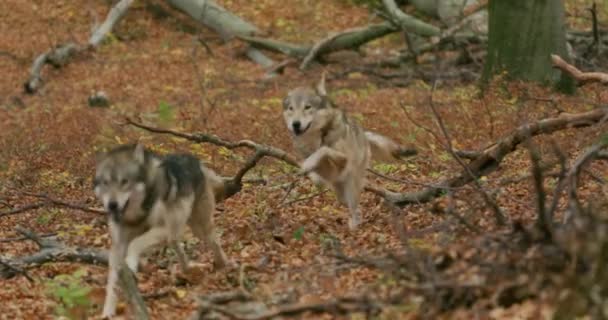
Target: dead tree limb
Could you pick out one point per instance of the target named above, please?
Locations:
(225, 23)
(409, 23)
(52, 251)
(488, 199)
(48, 201)
(345, 40)
(234, 184)
(574, 204)
(16, 270)
(340, 306)
(61, 54)
(129, 286)
(489, 159)
(581, 77)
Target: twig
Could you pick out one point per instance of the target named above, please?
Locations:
(498, 215)
(48, 201)
(314, 195)
(17, 270)
(596, 33)
(13, 239)
(543, 223)
(213, 139)
(573, 175)
(29, 207)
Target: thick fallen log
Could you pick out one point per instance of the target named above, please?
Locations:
(225, 23)
(409, 23)
(580, 76)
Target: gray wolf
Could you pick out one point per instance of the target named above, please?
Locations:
(150, 200)
(336, 150)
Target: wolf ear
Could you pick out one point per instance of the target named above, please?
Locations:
(99, 156)
(321, 86)
(139, 153)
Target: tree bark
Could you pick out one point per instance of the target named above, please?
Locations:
(522, 36)
(215, 17)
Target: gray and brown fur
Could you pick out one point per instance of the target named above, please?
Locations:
(150, 200)
(335, 149)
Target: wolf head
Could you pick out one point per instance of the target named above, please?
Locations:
(305, 108)
(120, 179)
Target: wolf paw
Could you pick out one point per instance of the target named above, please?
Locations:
(132, 263)
(354, 223)
(107, 314)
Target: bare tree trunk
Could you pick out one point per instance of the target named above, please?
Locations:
(522, 36)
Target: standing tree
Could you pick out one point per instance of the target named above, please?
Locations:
(522, 36)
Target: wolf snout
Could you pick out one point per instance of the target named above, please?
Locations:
(297, 125)
(113, 207)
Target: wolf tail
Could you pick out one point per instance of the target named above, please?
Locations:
(216, 182)
(386, 150)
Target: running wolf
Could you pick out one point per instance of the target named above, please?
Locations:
(150, 199)
(337, 151)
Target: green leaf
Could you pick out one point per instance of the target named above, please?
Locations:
(298, 233)
(165, 112)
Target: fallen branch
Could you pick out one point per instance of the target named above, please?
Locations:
(61, 54)
(26, 208)
(129, 286)
(409, 23)
(490, 158)
(488, 199)
(225, 23)
(581, 77)
(16, 270)
(574, 204)
(345, 40)
(486, 162)
(234, 184)
(52, 251)
(13, 239)
(48, 202)
(340, 306)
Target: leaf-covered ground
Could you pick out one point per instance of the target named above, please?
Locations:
(153, 68)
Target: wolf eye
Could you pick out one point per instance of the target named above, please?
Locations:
(290, 108)
(307, 107)
(123, 182)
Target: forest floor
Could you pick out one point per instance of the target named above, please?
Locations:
(153, 69)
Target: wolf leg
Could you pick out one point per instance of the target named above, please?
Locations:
(150, 238)
(181, 255)
(117, 254)
(326, 162)
(203, 227)
(350, 193)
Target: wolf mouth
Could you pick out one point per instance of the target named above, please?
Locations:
(300, 131)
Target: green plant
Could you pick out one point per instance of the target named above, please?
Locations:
(71, 294)
(165, 112)
(298, 233)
